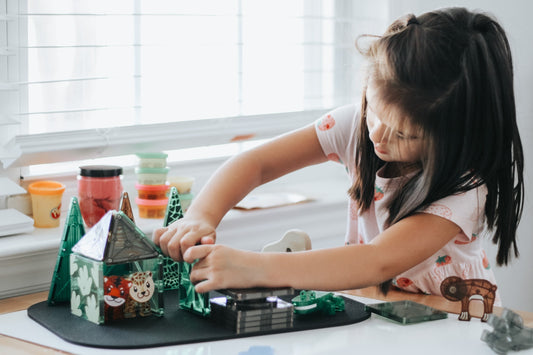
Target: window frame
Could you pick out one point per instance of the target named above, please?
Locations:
(100, 143)
(19, 151)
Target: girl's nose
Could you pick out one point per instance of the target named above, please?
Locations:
(378, 133)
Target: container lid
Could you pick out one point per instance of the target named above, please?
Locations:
(46, 188)
(152, 155)
(100, 170)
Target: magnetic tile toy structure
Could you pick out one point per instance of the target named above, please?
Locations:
(308, 302)
(253, 310)
(116, 272)
(508, 334)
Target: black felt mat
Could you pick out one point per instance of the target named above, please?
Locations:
(175, 327)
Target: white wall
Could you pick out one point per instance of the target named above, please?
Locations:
(515, 281)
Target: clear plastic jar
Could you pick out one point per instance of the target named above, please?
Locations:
(99, 190)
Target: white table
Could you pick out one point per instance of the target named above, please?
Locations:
(376, 335)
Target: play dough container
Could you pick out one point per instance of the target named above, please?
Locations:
(46, 203)
(99, 191)
(185, 201)
(151, 176)
(151, 208)
(152, 192)
(182, 183)
(152, 160)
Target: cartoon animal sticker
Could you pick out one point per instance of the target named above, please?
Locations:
(116, 291)
(456, 289)
(141, 291)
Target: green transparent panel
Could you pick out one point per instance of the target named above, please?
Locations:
(171, 267)
(189, 298)
(72, 233)
(406, 312)
(87, 296)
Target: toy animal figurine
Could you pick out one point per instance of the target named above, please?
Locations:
(456, 289)
(317, 302)
(293, 240)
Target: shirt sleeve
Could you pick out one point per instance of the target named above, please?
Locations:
(336, 133)
(467, 210)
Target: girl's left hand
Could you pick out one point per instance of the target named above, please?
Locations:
(220, 267)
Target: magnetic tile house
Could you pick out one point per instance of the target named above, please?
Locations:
(115, 272)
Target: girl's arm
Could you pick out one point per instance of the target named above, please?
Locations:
(399, 248)
(232, 182)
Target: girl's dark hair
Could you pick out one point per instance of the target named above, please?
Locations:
(449, 72)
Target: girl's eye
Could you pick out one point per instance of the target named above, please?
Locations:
(402, 136)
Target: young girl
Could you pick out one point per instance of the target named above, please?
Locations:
(434, 155)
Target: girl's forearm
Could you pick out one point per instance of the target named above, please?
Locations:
(244, 172)
(341, 268)
(230, 183)
(397, 249)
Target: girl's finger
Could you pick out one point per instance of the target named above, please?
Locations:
(198, 274)
(190, 238)
(204, 286)
(156, 236)
(197, 252)
(207, 240)
(166, 240)
(173, 249)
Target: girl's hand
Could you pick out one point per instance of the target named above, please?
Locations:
(220, 267)
(179, 236)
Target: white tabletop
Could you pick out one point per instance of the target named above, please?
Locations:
(376, 335)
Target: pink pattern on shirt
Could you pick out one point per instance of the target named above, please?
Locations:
(334, 157)
(439, 210)
(326, 123)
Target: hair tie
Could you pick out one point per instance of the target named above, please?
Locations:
(413, 20)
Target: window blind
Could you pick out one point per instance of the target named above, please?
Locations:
(81, 79)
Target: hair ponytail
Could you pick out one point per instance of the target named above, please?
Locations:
(502, 164)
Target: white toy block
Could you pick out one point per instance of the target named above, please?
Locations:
(293, 240)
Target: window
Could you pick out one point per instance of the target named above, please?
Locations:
(92, 79)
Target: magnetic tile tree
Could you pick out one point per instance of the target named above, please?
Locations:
(177, 274)
(73, 231)
(125, 206)
(171, 268)
(116, 272)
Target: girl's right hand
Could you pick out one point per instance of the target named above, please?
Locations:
(184, 233)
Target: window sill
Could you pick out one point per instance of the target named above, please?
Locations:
(27, 261)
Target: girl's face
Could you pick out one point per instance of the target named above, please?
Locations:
(392, 142)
